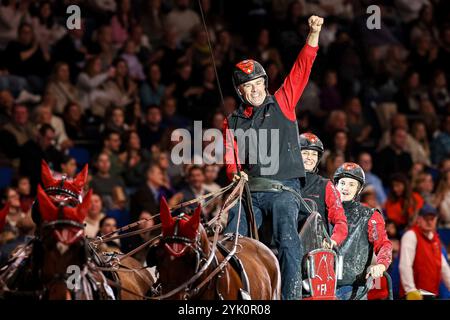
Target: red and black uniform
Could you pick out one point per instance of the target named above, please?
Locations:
(324, 194)
(366, 235)
(276, 112)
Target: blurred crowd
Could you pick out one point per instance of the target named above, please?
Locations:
(112, 94)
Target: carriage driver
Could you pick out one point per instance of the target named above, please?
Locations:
(260, 110)
(321, 190)
(366, 235)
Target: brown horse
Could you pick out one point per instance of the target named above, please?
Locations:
(61, 264)
(185, 247)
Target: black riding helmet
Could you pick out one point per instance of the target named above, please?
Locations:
(245, 71)
(350, 170)
(309, 141)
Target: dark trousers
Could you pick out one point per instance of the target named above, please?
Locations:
(282, 208)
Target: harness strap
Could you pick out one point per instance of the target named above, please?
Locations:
(236, 263)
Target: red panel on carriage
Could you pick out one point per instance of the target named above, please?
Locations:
(322, 275)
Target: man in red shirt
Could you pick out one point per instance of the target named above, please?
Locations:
(366, 235)
(269, 125)
(422, 264)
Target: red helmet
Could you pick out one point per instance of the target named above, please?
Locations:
(247, 70)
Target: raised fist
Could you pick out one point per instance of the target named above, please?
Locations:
(315, 24)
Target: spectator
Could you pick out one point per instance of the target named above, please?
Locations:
(136, 71)
(24, 190)
(69, 166)
(72, 49)
(103, 46)
(94, 216)
(132, 242)
(44, 115)
(365, 161)
(121, 90)
(340, 146)
(393, 158)
(162, 158)
(194, 189)
(152, 91)
(424, 185)
(421, 153)
(330, 97)
(152, 21)
(199, 50)
(108, 225)
(428, 114)
(115, 121)
(422, 265)
(121, 23)
(402, 204)
(47, 30)
(442, 200)
(265, 52)
(12, 14)
(169, 55)
(103, 182)
(119, 207)
(424, 26)
(74, 122)
(20, 129)
(25, 231)
(359, 127)
(147, 197)
(170, 116)
(14, 214)
(61, 88)
(369, 198)
(6, 107)
(151, 131)
(440, 146)
(211, 173)
(142, 44)
(111, 146)
(439, 91)
(183, 19)
(337, 120)
(42, 148)
(333, 161)
(27, 59)
(135, 160)
(412, 91)
(91, 81)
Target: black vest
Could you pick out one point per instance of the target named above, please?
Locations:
(356, 249)
(269, 116)
(315, 189)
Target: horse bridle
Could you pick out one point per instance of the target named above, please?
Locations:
(194, 245)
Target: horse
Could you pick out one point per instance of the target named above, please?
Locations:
(185, 246)
(59, 264)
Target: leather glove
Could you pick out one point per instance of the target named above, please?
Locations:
(376, 271)
(327, 245)
(243, 175)
(414, 295)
